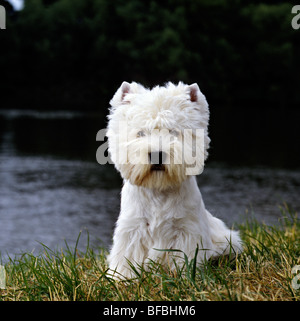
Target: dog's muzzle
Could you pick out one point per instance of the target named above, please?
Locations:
(157, 159)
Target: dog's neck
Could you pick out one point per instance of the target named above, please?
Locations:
(176, 192)
(145, 202)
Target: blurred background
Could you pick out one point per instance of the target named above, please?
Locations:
(61, 62)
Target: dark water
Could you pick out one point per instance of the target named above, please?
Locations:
(51, 186)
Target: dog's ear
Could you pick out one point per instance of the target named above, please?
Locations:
(125, 89)
(120, 97)
(194, 92)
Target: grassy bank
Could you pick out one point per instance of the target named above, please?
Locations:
(262, 272)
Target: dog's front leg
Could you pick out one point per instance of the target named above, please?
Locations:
(128, 249)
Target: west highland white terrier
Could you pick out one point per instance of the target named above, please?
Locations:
(158, 141)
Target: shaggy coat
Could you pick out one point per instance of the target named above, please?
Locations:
(161, 204)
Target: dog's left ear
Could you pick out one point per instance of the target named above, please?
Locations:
(194, 92)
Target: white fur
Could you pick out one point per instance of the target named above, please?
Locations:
(161, 209)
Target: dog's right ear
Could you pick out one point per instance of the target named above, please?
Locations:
(120, 95)
(125, 89)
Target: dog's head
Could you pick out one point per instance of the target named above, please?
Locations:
(158, 137)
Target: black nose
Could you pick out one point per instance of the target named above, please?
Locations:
(157, 158)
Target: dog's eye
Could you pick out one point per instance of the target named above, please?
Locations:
(141, 133)
(174, 132)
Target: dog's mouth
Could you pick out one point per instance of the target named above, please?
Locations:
(158, 167)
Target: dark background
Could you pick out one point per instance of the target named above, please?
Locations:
(74, 54)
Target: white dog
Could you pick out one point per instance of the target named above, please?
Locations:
(158, 141)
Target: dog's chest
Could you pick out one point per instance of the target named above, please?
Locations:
(161, 213)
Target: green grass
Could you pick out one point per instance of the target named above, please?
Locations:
(262, 272)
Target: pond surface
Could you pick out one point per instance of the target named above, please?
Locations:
(51, 186)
